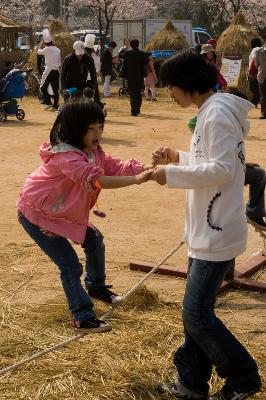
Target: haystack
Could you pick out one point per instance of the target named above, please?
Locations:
(168, 38)
(61, 38)
(235, 40)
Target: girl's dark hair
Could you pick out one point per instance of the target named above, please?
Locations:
(73, 121)
(189, 71)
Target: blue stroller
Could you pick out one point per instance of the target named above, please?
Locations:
(12, 87)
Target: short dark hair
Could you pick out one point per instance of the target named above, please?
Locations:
(112, 44)
(73, 121)
(189, 71)
(88, 92)
(255, 42)
(134, 43)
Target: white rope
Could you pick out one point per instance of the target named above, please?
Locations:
(107, 315)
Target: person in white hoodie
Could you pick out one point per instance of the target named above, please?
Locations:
(213, 174)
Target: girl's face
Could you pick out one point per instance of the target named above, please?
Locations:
(93, 136)
(182, 98)
(210, 55)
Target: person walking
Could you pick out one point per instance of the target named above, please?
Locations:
(260, 59)
(134, 71)
(107, 67)
(150, 81)
(89, 49)
(78, 70)
(50, 75)
(253, 72)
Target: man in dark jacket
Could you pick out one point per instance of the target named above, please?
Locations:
(78, 70)
(107, 67)
(134, 70)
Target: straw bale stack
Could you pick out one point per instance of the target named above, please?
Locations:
(168, 38)
(235, 40)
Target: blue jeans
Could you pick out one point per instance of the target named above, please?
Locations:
(207, 341)
(64, 256)
(255, 177)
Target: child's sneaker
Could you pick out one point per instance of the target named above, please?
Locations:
(226, 394)
(105, 294)
(92, 325)
(180, 391)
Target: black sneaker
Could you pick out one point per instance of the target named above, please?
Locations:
(92, 325)
(180, 391)
(105, 294)
(226, 394)
(257, 223)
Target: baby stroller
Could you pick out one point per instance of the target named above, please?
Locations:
(12, 87)
(123, 91)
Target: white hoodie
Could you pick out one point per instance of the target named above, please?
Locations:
(214, 173)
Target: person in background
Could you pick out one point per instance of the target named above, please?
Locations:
(6, 70)
(253, 72)
(208, 52)
(256, 179)
(260, 60)
(107, 67)
(124, 48)
(89, 49)
(213, 43)
(50, 76)
(78, 70)
(88, 93)
(134, 70)
(150, 81)
(40, 59)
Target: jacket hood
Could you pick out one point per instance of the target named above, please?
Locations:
(47, 151)
(238, 106)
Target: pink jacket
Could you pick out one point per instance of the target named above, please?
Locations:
(151, 79)
(59, 195)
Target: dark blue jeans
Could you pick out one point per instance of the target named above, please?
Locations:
(208, 342)
(64, 256)
(256, 179)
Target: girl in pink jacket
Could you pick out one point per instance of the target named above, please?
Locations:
(56, 199)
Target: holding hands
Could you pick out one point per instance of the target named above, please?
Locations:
(161, 157)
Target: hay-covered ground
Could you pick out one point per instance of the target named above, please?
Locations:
(142, 223)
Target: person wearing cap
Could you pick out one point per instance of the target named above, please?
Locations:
(89, 49)
(107, 67)
(213, 43)
(78, 70)
(50, 76)
(208, 52)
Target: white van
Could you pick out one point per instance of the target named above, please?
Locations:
(199, 36)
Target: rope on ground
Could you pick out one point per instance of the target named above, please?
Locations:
(110, 312)
(107, 315)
